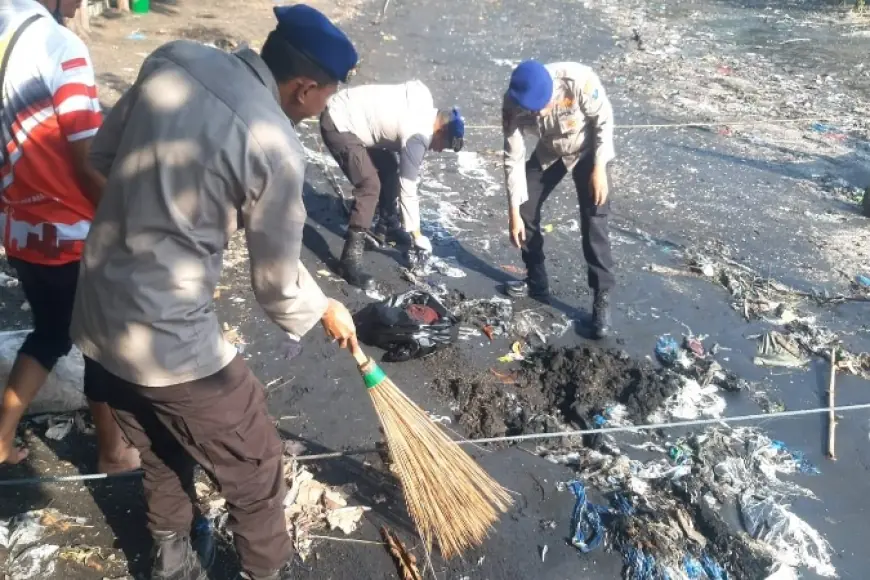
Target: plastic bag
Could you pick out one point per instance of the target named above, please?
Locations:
(411, 325)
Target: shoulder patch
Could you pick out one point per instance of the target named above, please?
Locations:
(73, 63)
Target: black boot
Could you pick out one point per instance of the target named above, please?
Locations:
(174, 558)
(601, 314)
(536, 284)
(351, 260)
(389, 230)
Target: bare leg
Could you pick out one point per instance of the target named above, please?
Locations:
(115, 454)
(25, 379)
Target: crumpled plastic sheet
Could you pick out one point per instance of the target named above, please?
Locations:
(795, 541)
(691, 401)
(29, 556)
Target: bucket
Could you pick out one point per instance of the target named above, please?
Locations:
(140, 6)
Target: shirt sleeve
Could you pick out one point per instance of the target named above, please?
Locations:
(514, 157)
(410, 161)
(274, 220)
(597, 108)
(74, 91)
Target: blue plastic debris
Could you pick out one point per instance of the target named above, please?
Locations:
(588, 532)
(641, 566)
(803, 464)
(622, 504)
(599, 421)
(862, 280)
(712, 568)
(693, 568)
(667, 349)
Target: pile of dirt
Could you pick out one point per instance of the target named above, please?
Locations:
(556, 386)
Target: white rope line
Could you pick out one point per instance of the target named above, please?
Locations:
(605, 430)
(510, 438)
(692, 124)
(732, 123)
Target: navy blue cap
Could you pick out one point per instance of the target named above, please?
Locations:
(531, 86)
(314, 35)
(456, 129)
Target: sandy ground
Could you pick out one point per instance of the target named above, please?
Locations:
(781, 199)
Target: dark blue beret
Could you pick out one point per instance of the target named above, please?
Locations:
(531, 86)
(311, 33)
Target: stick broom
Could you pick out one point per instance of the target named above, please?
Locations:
(451, 499)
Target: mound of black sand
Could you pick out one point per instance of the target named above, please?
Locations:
(567, 385)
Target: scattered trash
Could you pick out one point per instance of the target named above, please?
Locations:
(863, 281)
(587, 531)
(667, 350)
(691, 401)
(88, 556)
(311, 505)
(760, 298)
(23, 538)
(406, 562)
(435, 265)
(777, 350)
(668, 516)
(8, 281)
(136, 35)
(516, 353)
(59, 428)
(414, 324)
(544, 551)
(496, 317)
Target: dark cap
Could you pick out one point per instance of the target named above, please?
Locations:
(531, 86)
(314, 35)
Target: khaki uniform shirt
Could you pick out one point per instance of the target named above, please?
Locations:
(579, 123)
(196, 149)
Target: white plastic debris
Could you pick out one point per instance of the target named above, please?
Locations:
(29, 556)
(59, 428)
(792, 540)
(691, 401)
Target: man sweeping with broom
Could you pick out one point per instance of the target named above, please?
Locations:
(202, 144)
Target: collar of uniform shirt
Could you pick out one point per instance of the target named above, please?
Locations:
(259, 68)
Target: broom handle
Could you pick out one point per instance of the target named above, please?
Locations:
(358, 355)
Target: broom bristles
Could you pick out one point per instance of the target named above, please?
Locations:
(451, 499)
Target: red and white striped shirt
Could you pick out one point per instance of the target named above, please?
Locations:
(49, 100)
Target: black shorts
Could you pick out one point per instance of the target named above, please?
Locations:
(51, 292)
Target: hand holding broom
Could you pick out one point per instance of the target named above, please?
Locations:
(450, 498)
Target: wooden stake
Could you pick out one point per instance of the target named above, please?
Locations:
(832, 418)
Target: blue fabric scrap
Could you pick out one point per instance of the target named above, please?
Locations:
(588, 532)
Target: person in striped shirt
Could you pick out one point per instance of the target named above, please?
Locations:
(50, 114)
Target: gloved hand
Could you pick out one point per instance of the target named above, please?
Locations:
(421, 242)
